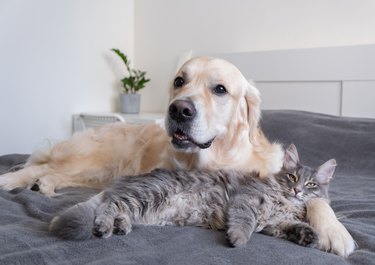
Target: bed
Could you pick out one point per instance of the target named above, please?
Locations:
(25, 214)
(339, 82)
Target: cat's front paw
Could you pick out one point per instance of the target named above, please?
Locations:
(122, 226)
(103, 227)
(236, 237)
(303, 234)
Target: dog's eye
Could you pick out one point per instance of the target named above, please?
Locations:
(178, 82)
(220, 90)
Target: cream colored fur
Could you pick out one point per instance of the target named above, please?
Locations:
(94, 157)
(333, 236)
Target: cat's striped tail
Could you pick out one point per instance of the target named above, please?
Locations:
(77, 222)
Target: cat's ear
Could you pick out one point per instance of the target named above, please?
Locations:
(325, 172)
(291, 159)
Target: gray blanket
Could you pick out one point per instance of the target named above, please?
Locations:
(24, 214)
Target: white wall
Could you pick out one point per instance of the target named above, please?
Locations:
(54, 58)
(54, 62)
(166, 28)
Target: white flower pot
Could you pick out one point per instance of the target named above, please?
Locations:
(130, 103)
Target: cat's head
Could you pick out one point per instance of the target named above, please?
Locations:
(303, 182)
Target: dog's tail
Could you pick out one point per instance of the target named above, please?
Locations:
(77, 222)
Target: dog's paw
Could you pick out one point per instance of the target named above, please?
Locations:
(10, 181)
(43, 186)
(336, 239)
(333, 236)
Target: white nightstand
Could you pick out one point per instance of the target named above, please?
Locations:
(83, 121)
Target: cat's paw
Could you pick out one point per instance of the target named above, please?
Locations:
(122, 226)
(236, 237)
(103, 227)
(303, 235)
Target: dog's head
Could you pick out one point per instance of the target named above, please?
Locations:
(210, 100)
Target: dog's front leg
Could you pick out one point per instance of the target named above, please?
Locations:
(22, 178)
(333, 236)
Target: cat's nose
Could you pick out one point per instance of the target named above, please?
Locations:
(296, 191)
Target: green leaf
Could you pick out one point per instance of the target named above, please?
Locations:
(121, 55)
(136, 79)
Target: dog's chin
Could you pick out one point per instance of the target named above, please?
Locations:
(183, 142)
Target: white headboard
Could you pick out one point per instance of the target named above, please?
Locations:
(334, 80)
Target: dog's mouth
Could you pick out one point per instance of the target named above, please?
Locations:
(183, 141)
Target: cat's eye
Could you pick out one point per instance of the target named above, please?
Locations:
(292, 177)
(310, 185)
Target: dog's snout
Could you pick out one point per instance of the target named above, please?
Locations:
(182, 110)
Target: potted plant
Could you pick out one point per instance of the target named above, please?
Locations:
(135, 80)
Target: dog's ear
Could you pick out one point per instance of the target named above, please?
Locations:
(253, 101)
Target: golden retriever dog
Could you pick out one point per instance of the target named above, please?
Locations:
(211, 122)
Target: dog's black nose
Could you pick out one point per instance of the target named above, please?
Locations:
(182, 110)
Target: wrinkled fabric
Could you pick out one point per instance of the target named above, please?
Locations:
(25, 214)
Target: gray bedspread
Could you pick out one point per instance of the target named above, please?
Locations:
(24, 214)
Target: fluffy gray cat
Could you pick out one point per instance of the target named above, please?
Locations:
(238, 202)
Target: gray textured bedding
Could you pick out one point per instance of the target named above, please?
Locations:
(24, 214)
